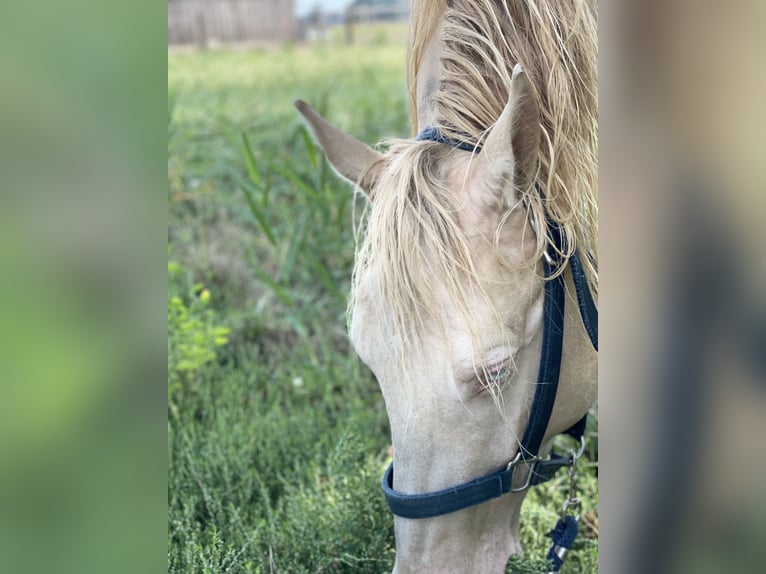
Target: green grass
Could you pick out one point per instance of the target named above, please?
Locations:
(277, 445)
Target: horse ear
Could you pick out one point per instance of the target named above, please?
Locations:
(353, 160)
(511, 152)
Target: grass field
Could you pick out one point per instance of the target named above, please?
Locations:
(277, 434)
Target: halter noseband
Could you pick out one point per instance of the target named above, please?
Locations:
(500, 482)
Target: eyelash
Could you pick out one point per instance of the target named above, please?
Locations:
(495, 377)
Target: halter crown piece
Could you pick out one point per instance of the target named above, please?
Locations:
(500, 482)
(434, 135)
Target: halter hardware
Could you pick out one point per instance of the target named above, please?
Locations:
(531, 462)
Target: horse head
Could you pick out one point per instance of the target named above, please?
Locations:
(447, 308)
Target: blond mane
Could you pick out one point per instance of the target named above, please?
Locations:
(413, 229)
(556, 44)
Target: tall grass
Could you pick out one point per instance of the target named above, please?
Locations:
(276, 447)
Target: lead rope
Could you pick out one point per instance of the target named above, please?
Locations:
(564, 533)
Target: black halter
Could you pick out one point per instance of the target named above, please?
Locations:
(500, 481)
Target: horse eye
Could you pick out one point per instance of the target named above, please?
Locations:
(495, 376)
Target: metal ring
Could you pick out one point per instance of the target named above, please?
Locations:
(519, 458)
(571, 503)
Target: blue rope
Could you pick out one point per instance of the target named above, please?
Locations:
(563, 536)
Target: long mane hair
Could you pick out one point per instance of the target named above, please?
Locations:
(556, 44)
(413, 229)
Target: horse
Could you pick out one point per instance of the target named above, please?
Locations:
(468, 225)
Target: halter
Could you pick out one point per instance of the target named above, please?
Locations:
(500, 482)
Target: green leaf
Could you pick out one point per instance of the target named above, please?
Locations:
(302, 186)
(296, 241)
(255, 209)
(252, 168)
(310, 147)
(325, 277)
(278, 290)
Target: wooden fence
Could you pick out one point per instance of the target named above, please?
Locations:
(317, 25)
(379, 12)
(205, 22)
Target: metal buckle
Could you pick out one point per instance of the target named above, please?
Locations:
(515, 462)
(533, 460)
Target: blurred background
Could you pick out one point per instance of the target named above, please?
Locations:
(683, 312)
(276, 432)
(232, 23)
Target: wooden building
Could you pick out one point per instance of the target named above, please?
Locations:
(212, 22)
